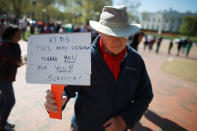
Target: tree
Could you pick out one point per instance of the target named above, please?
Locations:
(75, 11)
(4, 7)
(84, 10)
(132, 7)
(189, 26)
(47, 2)
(18, 6)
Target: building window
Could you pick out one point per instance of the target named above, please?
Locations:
(152, 27)
(157, 27)
(166, 20)
(172, 20)
(179, 21)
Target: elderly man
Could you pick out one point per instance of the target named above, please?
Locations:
(120, 89)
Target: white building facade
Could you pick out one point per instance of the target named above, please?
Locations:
(168, 21)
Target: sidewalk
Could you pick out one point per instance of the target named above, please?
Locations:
(173, 108)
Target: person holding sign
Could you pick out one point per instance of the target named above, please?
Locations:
(10, 60)
(120, 89)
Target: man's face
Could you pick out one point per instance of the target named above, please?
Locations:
(114, 44)
(17, 37)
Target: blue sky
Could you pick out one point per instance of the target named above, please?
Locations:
(159, 5)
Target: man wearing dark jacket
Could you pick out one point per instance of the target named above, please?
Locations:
(10, 60)
(120, 89)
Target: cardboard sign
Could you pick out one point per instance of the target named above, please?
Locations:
(59, 59)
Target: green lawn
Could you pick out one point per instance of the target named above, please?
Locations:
(183, 68)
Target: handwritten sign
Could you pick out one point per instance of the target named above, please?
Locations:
(59, 59)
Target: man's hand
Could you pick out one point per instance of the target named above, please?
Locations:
(50, 103)
(115, 124)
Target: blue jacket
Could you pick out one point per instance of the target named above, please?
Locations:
(128, 97)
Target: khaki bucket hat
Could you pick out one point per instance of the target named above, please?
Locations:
(114, 21)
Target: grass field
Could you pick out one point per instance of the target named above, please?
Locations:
(183, 68)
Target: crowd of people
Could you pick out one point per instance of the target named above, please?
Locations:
(38, 27)
(149, 41)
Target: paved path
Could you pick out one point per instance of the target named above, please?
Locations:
(174, 107)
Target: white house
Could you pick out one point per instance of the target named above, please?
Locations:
(169, 21)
